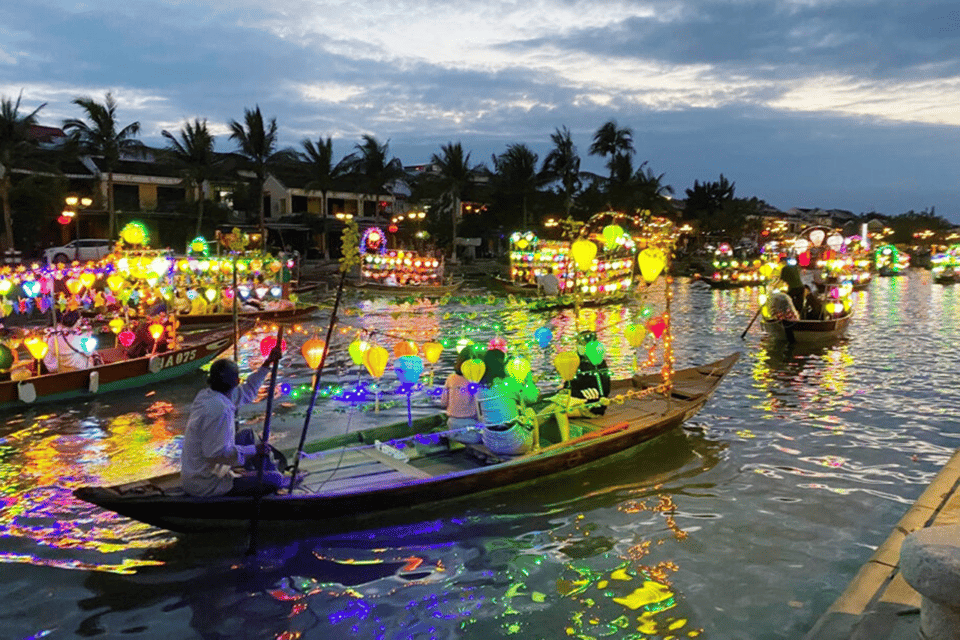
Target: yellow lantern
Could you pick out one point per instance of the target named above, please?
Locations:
(87, 279)
(567, 363)
(37, 347)
(134, 233)
(356, 350)
(116, 325)
(114, 282)
(210, 294)
(73, 286)
(635, 333)
(375, 360)
(312, 351)
(584, 251)
(473, 370)
(432, 351)
(518, 368)
(156, 330)
(651, 262)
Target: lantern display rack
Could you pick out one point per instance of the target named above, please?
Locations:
(401, 267)
(728, 269)
(611, 270)
(890, 260)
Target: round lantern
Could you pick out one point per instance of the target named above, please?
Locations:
(356, 350)
(126, 338)
(432, 351)
(518, 368)
(268, 343)
(473, 370)
(408, 369)
(375, 360)
(611, 233)
(134, 233)
(88, 344)
(405, 348)
(566, 364)
(498, 343)
(584, 251)
(651, 262)
(634, 333)
(312, 351)
(543, 336)
(594, 351)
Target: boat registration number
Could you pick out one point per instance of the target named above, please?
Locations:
(178, 358)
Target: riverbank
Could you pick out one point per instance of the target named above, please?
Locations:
(879, 604)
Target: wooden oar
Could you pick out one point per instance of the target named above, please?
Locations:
(255, 520)
(752, 320)
(316, 381)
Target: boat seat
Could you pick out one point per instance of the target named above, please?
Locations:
(112, 354)
(396, 464)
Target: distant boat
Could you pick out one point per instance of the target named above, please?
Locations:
(807, 331)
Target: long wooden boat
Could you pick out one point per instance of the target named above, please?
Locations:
(557, 303)
(516, 288)
(421, 290)
(351, 478)
(117, 373)
(289, 314)
(807, 331)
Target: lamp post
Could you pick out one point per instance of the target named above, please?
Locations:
(69, 214)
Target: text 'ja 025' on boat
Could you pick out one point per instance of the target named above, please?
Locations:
(83, 371)
(388, 471)
(400, 272)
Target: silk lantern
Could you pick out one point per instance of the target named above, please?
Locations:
(635, 333)
(651, 262)
(88, 344)
(611, 233)
(566, 364)
(126, 338)
(357, 349)
(87, 279)
(408, 368)
(657, 326)
(116, 325)
(405, 348)
(432, 351)
(544, 336)
(268, 343)
(375, 360)
(312, 352)
(584, 251)
(498, 343)
(36, 346)
(518, 368)
(473, 370)
(594, 351)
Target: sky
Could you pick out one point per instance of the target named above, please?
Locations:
(836, 104)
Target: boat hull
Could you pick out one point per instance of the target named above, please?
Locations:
(806, 331)
(271, 315)
(337, 506)
(117, 376)
(402, 290)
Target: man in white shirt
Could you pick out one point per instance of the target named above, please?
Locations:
(65, 350)
(209, 441)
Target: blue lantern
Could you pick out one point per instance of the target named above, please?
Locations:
(408, 368)
(543, 336)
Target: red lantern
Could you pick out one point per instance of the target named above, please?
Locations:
(268, 343)
(393, 228)
(126, 338)
(64, 219)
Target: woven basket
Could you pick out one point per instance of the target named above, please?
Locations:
(512, 442)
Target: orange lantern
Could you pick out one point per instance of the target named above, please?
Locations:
(405, 348)
(312, 351)
(432, 351)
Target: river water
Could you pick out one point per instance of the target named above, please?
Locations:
(746, 523)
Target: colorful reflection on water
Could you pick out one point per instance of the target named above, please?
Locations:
(749, 521)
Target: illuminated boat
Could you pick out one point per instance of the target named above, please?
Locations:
(945, 267)
(890, 261)
(403, 471)
(781, 320)
(400, 272)
(732, 273)
(833, 258)
(117, 373)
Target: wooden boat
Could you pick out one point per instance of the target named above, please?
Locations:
(289, 314)
(419, 290)
(807, 331)
(557, 303)
(118, 373)
(516, 288)
(351, 478)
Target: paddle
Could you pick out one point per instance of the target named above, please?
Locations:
(254, 521)
(316, 380)
(752, 320)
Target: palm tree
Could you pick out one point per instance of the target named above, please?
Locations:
(101, 137)
(193, 153)
(316, 161)
(516, 175)
(453, 175)
(630, 190)
(611, 141)
(372, 168)
(15, 144)
(257, 143)
(563, 165)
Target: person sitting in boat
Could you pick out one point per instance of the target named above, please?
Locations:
(198, 306)
(181, 303)
(460, 402)
(548, 284)
(812, 305)
(780, 306)
(143, 342)
(210, 449)
(64, 352)
(790, 274)
(498, 400)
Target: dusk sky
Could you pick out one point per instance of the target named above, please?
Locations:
(846, 104)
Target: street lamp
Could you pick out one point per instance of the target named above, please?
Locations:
(69, 214)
